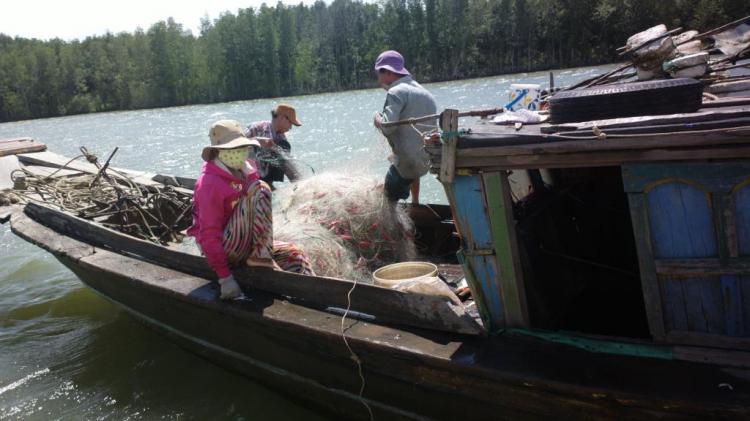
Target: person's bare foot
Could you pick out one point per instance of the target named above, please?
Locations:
(263, 263)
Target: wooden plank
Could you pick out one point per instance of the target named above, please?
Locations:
(8, 164)
(486, 275)
(704, 355)
(470, 213)
(702, 267)
(741, 212)
(562, 145)
(500, 207)
(682, 227)
(150, 180)
(712, 305)
(681, 221)
(726, 87)
(726, 227)
(19, 145)
(651, 293)
(675, 308)
(47, 171)
(387, 305)
(744, 297)
(477, 293)
(449, 126)
(49, 159)
(732, 297)
(14, 139)
(726, 102)
(650, 120)
(601, 159)
(707, 339)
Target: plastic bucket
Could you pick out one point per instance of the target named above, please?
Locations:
(394, 274)
(523, 96)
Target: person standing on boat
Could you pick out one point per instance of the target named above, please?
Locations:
(272, 157)
(405, 99)
(232, 215)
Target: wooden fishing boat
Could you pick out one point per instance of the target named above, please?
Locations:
(615, 284)
(290, 335)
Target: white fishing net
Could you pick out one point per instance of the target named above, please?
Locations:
(344, 224)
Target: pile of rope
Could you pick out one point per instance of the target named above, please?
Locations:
(344, 224)
(115, 201)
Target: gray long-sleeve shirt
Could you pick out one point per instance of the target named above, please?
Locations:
(408, 99)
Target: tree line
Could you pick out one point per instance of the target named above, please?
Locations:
(302, 49)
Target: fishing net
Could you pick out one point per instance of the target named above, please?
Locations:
(344, 224)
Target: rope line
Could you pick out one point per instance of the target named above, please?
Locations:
(353, 355)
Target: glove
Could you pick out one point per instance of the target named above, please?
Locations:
(230, 289)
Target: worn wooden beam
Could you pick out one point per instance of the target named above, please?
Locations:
(600, 159)
(638, 141)
(703, 267)
(651, 120)
(502, 224)
(649, 281)
(449, 125)
(707, 339)
(470, 213)
(470, 113)
(19, 145)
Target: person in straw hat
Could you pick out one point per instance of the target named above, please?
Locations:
(272, 159)
(405, 99)
(232, 215)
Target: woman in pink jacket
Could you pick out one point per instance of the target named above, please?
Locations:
(232, 216)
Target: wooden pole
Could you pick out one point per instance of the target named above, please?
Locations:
(704, 35)
(471, 113)
(449, 125)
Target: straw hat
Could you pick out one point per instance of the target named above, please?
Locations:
(226, 134)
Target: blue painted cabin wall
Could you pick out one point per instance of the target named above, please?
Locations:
(686, 220)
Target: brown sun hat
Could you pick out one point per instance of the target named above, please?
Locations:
(226, 134)
(288, 111)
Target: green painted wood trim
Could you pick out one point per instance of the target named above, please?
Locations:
(476, 291)
(661, 352)
(500, 209)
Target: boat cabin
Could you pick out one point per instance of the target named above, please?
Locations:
(629, 230)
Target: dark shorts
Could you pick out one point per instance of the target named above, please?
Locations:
(396, 187)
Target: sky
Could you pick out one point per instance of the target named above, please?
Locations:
(71, 19)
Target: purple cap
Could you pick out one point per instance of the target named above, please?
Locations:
(393, 61)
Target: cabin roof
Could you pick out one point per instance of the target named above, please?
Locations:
(719, 130)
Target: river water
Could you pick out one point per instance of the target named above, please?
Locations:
(66, 353)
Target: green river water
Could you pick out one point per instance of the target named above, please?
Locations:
(66, 353)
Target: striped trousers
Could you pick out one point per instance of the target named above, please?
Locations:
(249, 233)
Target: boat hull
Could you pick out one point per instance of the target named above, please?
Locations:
(409, 374)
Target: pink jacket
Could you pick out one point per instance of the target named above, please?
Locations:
(215, 191)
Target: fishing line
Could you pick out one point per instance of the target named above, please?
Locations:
(354, 356)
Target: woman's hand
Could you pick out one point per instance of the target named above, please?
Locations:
(230, 289)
